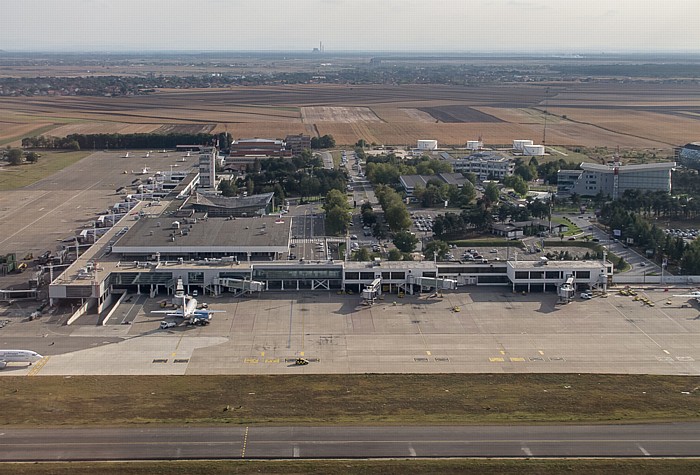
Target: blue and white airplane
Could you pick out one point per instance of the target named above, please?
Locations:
(188, 307)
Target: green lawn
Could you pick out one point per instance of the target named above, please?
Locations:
(348, 399)
(15, 177)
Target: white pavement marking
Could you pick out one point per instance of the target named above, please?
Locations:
(296, 452)
(666, 351)
(411, 451)
(644, 451)
(527, 451)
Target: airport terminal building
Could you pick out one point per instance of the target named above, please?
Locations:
(148, 253)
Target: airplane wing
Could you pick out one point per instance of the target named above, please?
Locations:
(689, 296)
(169, 313)
(216, 311)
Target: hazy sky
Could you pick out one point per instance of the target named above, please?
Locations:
(566, 26)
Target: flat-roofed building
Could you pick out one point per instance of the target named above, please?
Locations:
(614, 179)
(259, 148)
(544, 274)
(410, 182)
(485, 165)
(236, 206)
(298, 143)
(199, 236)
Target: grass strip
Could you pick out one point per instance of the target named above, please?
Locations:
(19, 176)
(365, 467)
(371, 399)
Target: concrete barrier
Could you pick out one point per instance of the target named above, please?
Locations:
(114, 308)
(82, 310)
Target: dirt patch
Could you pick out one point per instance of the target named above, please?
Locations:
(185, 129)
(419, 115)
(338, 114)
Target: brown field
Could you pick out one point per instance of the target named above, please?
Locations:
(276, 130)
(667, 127)
(338, 114)
(610, 115)
(102, 128)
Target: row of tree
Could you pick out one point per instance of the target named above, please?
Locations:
(337, 210)
(396, 215)
(326, 141)
(127, 141)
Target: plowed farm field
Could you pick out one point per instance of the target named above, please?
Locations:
(610, 115)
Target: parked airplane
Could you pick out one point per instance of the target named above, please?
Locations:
(18, 356)
(695, 294)
(144, 171)
(188, 307)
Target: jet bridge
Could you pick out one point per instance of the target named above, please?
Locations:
(236, 286)
(372, 291)
(434, 283)
(567, 290)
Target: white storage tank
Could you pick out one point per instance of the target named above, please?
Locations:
(427, 145)
(519, 144)
(534, 150)
(475, 145)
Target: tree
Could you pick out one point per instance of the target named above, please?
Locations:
(228, 188)
(14, 156)
(337, 212)
(466, 194)
(397, 217)
(362, 255)
(380, 230)
(337, 220)
(405, 241)
(335, 199)
(491, 192)
(395, 255)
(73, 145)
(32, 157)
(436, 248)
(517, 183)
(327, 141)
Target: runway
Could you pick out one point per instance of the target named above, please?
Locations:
(240, 442)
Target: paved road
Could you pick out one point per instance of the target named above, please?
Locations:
(643, 440)
(640, 264)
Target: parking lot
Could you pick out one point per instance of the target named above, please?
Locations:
(470, 331)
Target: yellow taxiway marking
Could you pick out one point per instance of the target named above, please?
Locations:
(503, 352)
(301, 353)
(262, 353)
(541, 352)
(517, 359)
(496, 360)
(428, 353)
(38, 365)
(272, 360)
(251, 360)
